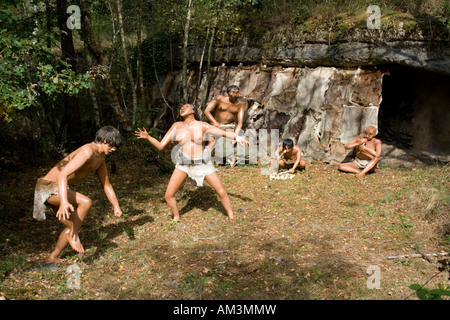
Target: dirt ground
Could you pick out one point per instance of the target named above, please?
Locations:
(322, 235)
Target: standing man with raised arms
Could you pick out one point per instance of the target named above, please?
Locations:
(191, 156)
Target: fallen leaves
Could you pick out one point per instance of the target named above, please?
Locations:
(285, 227)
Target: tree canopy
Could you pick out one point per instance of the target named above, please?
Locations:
(30, 69)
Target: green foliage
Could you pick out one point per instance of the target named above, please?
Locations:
(404, 222)
(433, 294)
(157, 50)
(29, 68)
(316, 272)
(10, 264)
(301, 15)
(446, 10)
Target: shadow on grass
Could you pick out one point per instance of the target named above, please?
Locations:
(38, 238)
(270, 271)
(206, 198)
(103, 238)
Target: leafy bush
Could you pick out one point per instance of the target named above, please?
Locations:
(29, 68)
(434, 294)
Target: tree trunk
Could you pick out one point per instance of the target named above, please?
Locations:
(166, 104)
(200, 69)
(209, 54)
(126, 60)
(102, 59)
(48, 22)
(71, 118)
(140, 72)
(185, 44)
(97, 117)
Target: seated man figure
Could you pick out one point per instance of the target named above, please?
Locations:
(368, 151)
(290, 156)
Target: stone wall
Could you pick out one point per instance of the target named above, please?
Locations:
(321, 89)
(321, 108)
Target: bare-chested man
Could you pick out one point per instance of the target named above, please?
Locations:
(290, 156)
(71, 207)
(222, 111)
(368, 151)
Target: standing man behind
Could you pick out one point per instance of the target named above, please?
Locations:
(71, 207)
(223, 111)
(368, 151)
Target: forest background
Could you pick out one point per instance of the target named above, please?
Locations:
(64, 73)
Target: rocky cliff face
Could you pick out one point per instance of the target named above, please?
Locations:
(322, 95)
(424, 45)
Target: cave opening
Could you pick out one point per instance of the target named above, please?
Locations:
(414, 114)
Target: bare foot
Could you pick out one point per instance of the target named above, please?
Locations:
(52, 259)
(75, 243)
(360, 175)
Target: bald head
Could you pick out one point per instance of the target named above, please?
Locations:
(372, 129)
(370, 133)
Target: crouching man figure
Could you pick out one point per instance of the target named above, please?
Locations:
(71, 207)
(290, 156)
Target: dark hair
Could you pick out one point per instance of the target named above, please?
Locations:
(109, 135)
(231, 88)
(196, 114)
(288, 143)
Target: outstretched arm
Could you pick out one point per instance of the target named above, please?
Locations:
(143, 134)
(102, 175)
(230, 135)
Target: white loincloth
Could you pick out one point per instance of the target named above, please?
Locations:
(196, 168)
(361, 163)
(197, 172)
(224, 147)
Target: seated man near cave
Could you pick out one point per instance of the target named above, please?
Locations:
(368, 151)
(71, 207)
(290, 156)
